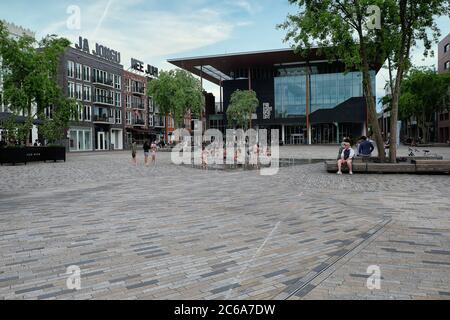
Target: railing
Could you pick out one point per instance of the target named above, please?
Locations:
(104, 100)
(137, 106)
(107, 82)
(138, 90)
(102, 118)
(139, 122)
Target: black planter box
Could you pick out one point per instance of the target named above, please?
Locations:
(32, 154)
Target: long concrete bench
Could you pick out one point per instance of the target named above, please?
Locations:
(420, 166)
(400, 159)
(432, 166)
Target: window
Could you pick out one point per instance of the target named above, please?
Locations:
(80, 140)
(79, 91)
(117, 82)
(150, 120)
(118, 99)
(327, 91)
(87, 93)
(86, 74)
(150, 105)
(87, 113)
(128, 85)
(103, 96)
(447, 47)
(80, 112)
(78, 71)
(70, 69)
(111, 113)
(128, 101)
(71, 90)
(128, 118)
(48, 111)
(118, 116)
(447, 65)
(101, 76)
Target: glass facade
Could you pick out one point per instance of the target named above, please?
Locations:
(327, 91)
(80, 140)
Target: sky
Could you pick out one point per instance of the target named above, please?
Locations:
(156, 30)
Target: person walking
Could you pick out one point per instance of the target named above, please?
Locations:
(134, 153)
(154, 148)
(146, 151)
(204, 159)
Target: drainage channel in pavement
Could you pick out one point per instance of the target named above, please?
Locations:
(315, 278)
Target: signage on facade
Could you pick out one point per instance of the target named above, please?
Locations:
(267, 111)
(139, 66)
(100, 50)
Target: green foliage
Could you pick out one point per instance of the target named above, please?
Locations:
(242, 106)
(54, 130)
(424, 93)
(177, 92)
(339, 28)
(29, 70)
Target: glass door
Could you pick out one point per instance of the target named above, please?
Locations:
(101, 141)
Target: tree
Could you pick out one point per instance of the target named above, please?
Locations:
(346, 30)
(424, 93)
(177, 92)
(242, 106)
(29, 70)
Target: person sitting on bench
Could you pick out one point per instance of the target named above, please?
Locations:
(346, 158)
(365, 148)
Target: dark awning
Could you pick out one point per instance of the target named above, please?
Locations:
(143, 131)
(4, 116)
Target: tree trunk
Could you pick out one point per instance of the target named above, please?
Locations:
(371, 107)
(404, 52)
(367, 86)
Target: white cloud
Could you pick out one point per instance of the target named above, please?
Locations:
(146, 34)
(248, 6)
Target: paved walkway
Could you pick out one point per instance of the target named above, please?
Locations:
(179, 233)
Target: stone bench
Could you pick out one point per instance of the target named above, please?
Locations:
(390, 168)
(432, 166)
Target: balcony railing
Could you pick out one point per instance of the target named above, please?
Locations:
(138, 106)
(158, 124)
(104, 100)
(138, 122)
(102, 118)
(138, 90)
(105, 82)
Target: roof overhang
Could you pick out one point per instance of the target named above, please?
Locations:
(218, 68)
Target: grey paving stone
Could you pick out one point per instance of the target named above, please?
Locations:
(225, 288)
(142, 284)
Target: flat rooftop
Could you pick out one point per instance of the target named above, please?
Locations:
(217, 68)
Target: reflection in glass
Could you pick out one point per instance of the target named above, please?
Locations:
(327, 91)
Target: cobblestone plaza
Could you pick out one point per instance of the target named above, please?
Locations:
(170, 232)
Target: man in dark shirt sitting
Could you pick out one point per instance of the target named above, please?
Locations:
(365, 148)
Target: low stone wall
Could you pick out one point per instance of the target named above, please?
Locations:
(414, 167)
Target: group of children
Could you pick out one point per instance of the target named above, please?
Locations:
(148, 148)
(255, 153)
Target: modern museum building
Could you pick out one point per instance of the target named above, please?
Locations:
(310, 99)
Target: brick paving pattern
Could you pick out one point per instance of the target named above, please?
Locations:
(169, 232)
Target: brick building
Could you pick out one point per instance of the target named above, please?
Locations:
(444, 66)
(136, 108)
